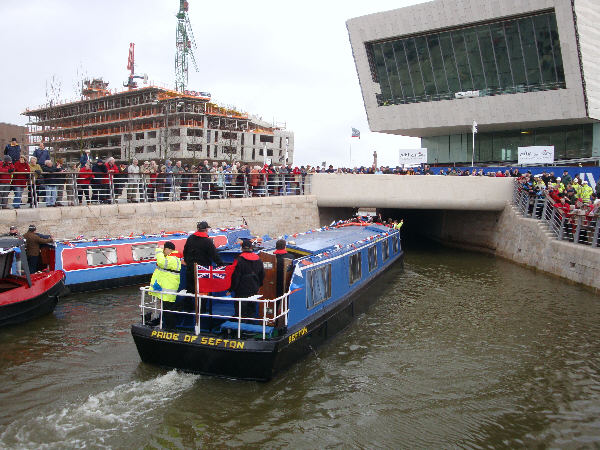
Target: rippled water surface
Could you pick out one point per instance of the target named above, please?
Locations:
(460, 350)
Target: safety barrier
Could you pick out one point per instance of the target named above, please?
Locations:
(273, 311)
(86, 188)
(578, 225)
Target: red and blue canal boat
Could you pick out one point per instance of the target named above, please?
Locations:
(102, 263)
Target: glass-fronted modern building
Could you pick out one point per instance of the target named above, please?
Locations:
(522, 70)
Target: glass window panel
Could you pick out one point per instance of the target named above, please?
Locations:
(390, 64)
(462, 62)
(474, 59)
(449, 63)
(530, 53)
(544, 47)
(355, 267)
(487, 57)
(560, 73)
(501, 53)
(505, 57)
(588, 137)
(372, 257)
(386, 92)
(415, 70)
(403, 73)
(143, 252)
(385, 250)
(101, 256)
(425, 62)
(515, 53)
(319, 285)
(437, 63)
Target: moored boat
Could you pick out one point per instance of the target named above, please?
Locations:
(329, 267)
(109, 262)
(25, 297)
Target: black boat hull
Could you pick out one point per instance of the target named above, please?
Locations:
(248, 359)
(109, 283)
(30, 309)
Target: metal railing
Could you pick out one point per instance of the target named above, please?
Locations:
(272, 310)
(75, 188)
(578, 225)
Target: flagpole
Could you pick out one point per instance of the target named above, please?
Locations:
(474, 130)
(350, 154)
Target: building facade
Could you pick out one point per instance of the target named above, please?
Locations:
(156, 123)
(527, 71)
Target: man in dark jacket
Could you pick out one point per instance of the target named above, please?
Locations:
(32, 247)
(51, 181)
(13, 150)
(247, 278)
(41, 154)
(100, 186)
(199, 249)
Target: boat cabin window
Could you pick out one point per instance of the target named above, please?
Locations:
(143, 252)
(395, 244)
(318, 281)
(385, 249)
(101, 256)
(355, 267)
(372, 258)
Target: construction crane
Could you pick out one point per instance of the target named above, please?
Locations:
(131, 83)
(185, 46)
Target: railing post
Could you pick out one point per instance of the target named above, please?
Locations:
(596, 233)
(577, 230)
(246, 191)
(223, 185)
(112, 187)
(75, 187)
(144, 180)
(561, 231)
(266, 183)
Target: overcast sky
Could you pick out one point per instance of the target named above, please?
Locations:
(288, 61)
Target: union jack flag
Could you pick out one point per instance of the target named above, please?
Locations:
(213, 279)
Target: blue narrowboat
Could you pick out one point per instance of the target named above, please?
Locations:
(102, 263)
(325, 271)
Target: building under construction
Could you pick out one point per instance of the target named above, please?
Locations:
(156, 123)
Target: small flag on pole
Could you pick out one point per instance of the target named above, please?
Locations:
(355, 133)
(474, 127)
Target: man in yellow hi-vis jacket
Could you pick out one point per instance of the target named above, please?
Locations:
(165, 282)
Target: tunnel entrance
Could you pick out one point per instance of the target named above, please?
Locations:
(472, 230)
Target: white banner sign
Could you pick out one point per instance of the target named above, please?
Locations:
(413, 157)
(536, 155)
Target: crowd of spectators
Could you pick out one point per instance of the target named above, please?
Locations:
(573, 199)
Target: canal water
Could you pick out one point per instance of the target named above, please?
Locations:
(459, 350)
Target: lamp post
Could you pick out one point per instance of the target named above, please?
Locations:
(474, 129)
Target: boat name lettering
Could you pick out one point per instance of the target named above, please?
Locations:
(165, 335)
(297, 334)
(214, 342)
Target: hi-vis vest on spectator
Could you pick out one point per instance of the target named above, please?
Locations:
(166, 276)
(586, 192)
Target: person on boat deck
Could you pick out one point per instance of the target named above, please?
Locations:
(199, 249)
(165, 280)
(32, 247)
(247, 278)
(281, 253)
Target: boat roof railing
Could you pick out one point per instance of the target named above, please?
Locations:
(161, 234)
(280, 308)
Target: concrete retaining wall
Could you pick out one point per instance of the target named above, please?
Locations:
(525, 241)
(271, 215)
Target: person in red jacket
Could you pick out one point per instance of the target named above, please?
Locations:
(6, 170)
(20, 180)
(112, 169)
(83, 183)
